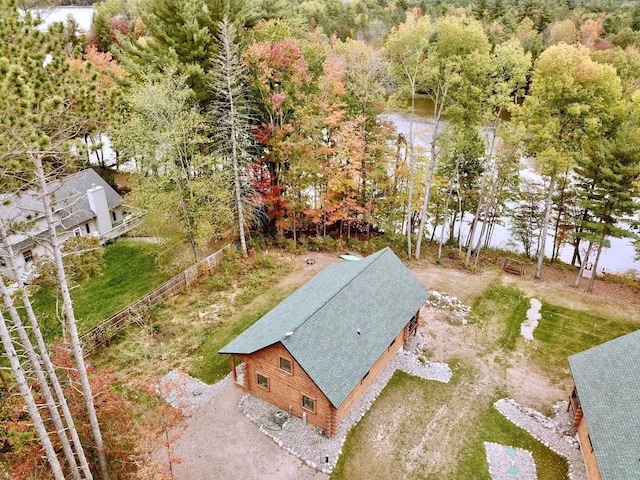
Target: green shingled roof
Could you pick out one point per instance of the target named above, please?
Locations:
(376, 296)
(607, 378)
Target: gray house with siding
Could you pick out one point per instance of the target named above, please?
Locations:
(84, 204)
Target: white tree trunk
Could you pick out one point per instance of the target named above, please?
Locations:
(27, 396)
(412, 166)
(481, 200)
(41, 378)
(70, 318)
(233, 120)
(438, 111)
(545, 226)
(44, 355)
(583, 264)
(595, 266)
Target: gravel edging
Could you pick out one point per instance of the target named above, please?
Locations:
(186, 393)
(456, 307)
(510, 463)
(557, 433)
(533, 318)
(316, 450)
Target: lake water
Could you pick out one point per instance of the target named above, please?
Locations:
(619, 257)
(82, 15)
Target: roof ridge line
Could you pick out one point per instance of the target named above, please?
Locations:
(381, 252)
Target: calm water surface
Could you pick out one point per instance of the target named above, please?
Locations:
(617, 258)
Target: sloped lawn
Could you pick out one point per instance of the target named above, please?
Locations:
(131, 271)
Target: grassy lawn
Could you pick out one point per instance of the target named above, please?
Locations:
(508, 305)
(564, 332)
(416, 429)
(491, 426)
(189, 329)
(131, 271)
(409, 408)
(379, 446)
(205, 362)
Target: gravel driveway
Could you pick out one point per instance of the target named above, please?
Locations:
(220, 442)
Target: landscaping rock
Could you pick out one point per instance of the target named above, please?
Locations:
(453, 305)
(533, 318)
(557, 433)
(311, 446)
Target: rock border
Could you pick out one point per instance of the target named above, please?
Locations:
(313, 448)
(533, 318)
(557, 433)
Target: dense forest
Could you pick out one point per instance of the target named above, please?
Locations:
(265, 118)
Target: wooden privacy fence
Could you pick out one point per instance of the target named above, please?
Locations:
(135, 313)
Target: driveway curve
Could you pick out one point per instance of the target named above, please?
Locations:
(219, 442)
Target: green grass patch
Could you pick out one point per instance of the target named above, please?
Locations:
(207, 364)
(131, 271)
(189, 328)
(419, 400)
(491, 426)
(563, 332)
(256, 293)
(381, 445)
(504, 304)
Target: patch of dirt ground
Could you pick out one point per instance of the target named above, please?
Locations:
(219, 442)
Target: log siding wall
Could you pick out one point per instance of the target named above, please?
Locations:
(593, 472)
(286, 389)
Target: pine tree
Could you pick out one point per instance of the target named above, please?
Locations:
(182, 33)
(46, 105)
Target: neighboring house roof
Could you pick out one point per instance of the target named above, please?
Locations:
(70, 202)
(607, 378)
(375, 296)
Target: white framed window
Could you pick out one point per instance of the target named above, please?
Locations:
(77, 232)
(28, 256)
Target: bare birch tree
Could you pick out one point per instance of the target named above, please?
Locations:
(27, 395)
(406, 48)
(231, 126)
(69, 315)
(43, 354)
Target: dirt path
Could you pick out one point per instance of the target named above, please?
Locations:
(219, 442)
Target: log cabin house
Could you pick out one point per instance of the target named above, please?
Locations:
(605, 403)
(319, 350)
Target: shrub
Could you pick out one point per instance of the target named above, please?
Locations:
(329, 243)
(316, 244)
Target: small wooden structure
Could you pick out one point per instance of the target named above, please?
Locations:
(511, 265)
